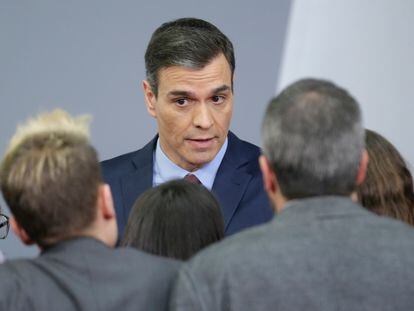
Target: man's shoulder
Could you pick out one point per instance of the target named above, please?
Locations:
(239, 145)
(13, 276)
(100, 259)
(17, 267)
(7, 270)
(388, 230)
(149, 262)
(243, 154)
(121, 161)
(277, 239)
(149, 274)
(125, 162)
(133, 277)
(93, 254)
(231, 252)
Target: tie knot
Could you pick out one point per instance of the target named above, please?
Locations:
(192, 179)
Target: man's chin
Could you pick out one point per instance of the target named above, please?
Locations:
(197, 163)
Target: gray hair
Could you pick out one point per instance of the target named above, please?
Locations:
(187, 42)
(313, 137)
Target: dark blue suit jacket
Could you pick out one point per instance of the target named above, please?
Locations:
(237, 186)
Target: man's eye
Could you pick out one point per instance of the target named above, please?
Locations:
(181, 101)
(216, 99)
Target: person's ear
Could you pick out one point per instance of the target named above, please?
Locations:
(150, 98)
(20, 232)
(105, 202)
(269, 177)
(362, 169)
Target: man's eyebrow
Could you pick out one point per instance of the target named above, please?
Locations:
(174, 93)
(222, 88)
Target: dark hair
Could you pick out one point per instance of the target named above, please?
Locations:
(313, 138)
(188, 42)
(175, 219)
(388, 186)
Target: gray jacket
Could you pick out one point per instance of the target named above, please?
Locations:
(85, 274)
(324, 253)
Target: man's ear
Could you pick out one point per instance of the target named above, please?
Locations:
(20, 232)
(105, 202)
(269, 177)
(362, 169)
(150, 98)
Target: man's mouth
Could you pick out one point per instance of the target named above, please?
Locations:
(201, 143)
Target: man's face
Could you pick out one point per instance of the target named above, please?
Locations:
(193, 111)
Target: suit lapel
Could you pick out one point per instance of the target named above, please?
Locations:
(229, 185)
(138, 181)
(231, 180)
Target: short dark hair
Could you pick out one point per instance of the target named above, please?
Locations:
(175, 219)
(313, 138)
(388, 186)
(50, 177)
(188, 42)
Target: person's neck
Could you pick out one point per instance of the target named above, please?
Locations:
(96, 233)
(279, 201)
(49, 243)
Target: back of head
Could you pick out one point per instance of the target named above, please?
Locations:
(388, 187)
(175, 219)
(50, 176)
(314, 139)
(188, 42)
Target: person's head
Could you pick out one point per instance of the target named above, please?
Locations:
(51, 179)
(189, 89)
(313, 142)
(175, 219)
(388, 187)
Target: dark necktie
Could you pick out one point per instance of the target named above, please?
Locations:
(192, 179)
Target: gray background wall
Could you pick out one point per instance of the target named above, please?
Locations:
(366, 46)
(87, 57)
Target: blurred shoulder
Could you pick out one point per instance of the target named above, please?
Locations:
(233, 250)
(148, 262)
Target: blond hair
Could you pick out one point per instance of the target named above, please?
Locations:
(50, 174)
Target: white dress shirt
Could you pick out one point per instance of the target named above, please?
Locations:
(165, 170)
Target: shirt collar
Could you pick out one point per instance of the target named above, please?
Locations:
(166, 170)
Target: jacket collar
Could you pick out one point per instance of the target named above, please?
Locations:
(231, 180)
(229, 185)
(303, 210)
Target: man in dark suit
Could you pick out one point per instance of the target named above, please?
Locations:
(323, 251)
(189, 91)
(51, 180)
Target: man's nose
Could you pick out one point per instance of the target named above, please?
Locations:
(202, 117)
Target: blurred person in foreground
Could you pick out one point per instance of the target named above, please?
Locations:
(388, 187)
(176, 219)
(323, 251)
(51, 180)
